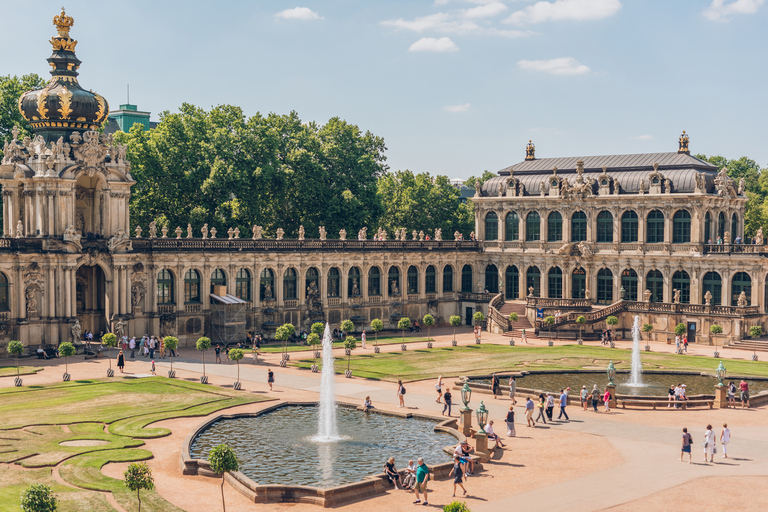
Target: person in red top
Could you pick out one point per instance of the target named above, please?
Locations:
(744, 393)
(607, 400)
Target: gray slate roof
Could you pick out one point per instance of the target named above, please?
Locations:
(617, 162)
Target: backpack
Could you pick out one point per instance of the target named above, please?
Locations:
(402, 390)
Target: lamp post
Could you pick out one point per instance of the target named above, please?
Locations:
(466, 395)
(482, 417)
(721, 398)
(720, 373)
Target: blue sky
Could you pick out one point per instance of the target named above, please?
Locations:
(453, 86)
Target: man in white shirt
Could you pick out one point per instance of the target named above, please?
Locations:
(492, 435)
(410, 475)
(132, 346)
(463, 450)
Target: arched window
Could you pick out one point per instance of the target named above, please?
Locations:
(512, 282)
(605, 227)
(466, 279)
(192, 287)
(413, 280)
(5, 303)
(655, 227)
(681, 281)
(554, 227)
(578, 283)
(374, 282)
(289, 285)
(492, 279)
(741, 282)
(628, 227)
(734, 226)
(243, 284)
(708, 229)
(491, 226)
(713, 284)
(393, 278)
(681, 227)
(578, 227)
(165, 287)
(604, 286)
(267, 284)
(218, 278)
(629, 283)
(448, 279)
(555, 283)
(654, 282)
(721, 227)
(353, 283)
(533, 279)
(512, 226)
(334, 282)
(532, 227)
(430, 281)
(312, 282)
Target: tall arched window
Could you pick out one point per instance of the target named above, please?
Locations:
(218, 278)
(492, 279)
(681, 227)
(681, 281)
(629, 227)
(243, 284)
(629, 283)
(532, 227)
(430, 280)
(192, 287)
(466, 279)
(555, 283)
(512, 282)
(267, 284)
(374, 282)
(289, 285)
(491, 226)
(741, 282)
(578, 283)
(605, 227)
(708, 229)
(604, 286)
(533, 279)
(393, 281)
(654, 282)
(165, 287)
(512, 226)
(734, 226)
(312, 282)
(578, 227)
(448, 279)
(712, 283)
(721, 227)
(334, 282)
(354, 287)
(5, 303)
(554, 227)
(655, 227)
(413, 280)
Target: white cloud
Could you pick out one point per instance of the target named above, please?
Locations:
(642, 137)
(486, 11)
(298, 13)
(566, 10)
(451, 23)
(719, 10)
(457, 108)
(561, 66)
(431, 44)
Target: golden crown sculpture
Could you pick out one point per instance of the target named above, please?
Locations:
(63, 23)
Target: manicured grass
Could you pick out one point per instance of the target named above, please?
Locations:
(383, 340)
(10, 371)
(483, 359)
(13, 482)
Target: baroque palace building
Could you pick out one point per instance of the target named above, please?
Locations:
(650, 235)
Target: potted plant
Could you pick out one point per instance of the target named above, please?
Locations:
(350, 344)
(429, 321)
(377, 325)
(612, 321)
(222, 460)
(648, 328)
(455, 321)
(346, 326)
(403, 324)
(714, 330)
(680, 331)
(39, 498)
(755, 331)
(282, 333)
(479, 318)
(138, 476)
(66, 350)
(202, 345)
(580, 321)
(314, 340)
(16, 348)
(109, 340)
(549, 321)
(236, 354)
(171, 344)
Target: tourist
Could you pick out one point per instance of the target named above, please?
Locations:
(685, 343)
(725, 438)
(671, 395)
(132, 346)
(529, 412)
(218, 353)
(162, 347)
(401, 393)
(687, 441)
(439, 388)
(719, 240)
(563, 404)
(391, 472)
(152, 346)
(731, 393)
(495, 388)
(607, 400)
(523, 337)
(409, 481)
(584, 395)
(512, 389)
(511, 422)
(363, 338)
(678, 395)
(744, 387)
(677, 342)
(146, 348)
(41, 353)
(125, 343)
(422, 475)
(447, 397)
(491, 434)
(463, 450)
(595, 397)
(683, 398)
(542, 407)
(550, 406)
(153, 367)
(709, 444)
(121, 361)
(458, 476)
(270, 378)
(368, 404)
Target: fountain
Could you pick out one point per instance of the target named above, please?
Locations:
(327, 431)
(637, 366)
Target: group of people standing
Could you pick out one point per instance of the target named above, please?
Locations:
(709, 444)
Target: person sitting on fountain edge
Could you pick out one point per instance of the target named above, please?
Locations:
(368, 404)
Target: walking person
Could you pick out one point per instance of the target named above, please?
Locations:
(523, 337)
(447, 399)
(401, 393)
(152, 344)
(121, 361)
(132, 345)
(512, 389)
(495, 388)
(563, 404)
(595, 397)
(529, 412)
(439, 388)
(458, 475)
(153, 367)
(725, 438)
(511, 422)
(550, 406)
(607, 400)
(218, 353)
(687, 441)
(362, 339)
(270, 378)
(162, 347)
(541, 406)
(685, 343)
(731, 393)
(422, 476)
(709, 444)
(744, 387)
(584, 395)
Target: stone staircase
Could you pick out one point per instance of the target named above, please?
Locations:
(751, 344)
(522, 321)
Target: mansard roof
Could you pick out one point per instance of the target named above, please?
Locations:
(639, 162)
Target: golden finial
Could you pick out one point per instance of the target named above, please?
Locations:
(63, 23)
(683, 144)
(530, 151)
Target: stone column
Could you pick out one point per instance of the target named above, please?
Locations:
(115, 290)
(20, 293)
(543, 226)
(51, 290)
(68, 292)
(481, 445)
(49, 197)
(612, 391)
(721, 397)
(566, 228)
(126, 289)
(726, 284)
(39, 227)
(465, 423)
(6, 212)
(641, 227)
(73, 290)
(567, 284)
(522, 282)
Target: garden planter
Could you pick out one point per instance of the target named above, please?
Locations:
(376, 350)
(286, 356)
(171, 374)
(403, 347)
(429, 344)
(511, 342)
(66, 377)
(17, 382)
(580, 342)
(203, 379)
(454, 343)
(717, 354)
(283, 363)
(754, 357)
(238, 385)
(347, 352)
(348, 374)
(314, 368)
(550, 343)
(647, 348)
(613, 345)
(477, 341)
(317, 354)
(110, 372)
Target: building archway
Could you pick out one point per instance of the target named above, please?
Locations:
(91, 299)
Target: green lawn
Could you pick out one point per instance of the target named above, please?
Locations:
(483, 359)
(10, 371)
(383, 340)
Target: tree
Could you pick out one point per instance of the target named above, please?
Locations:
(680, 329)
(171, 344)
(202, 345)
(39, 498)
(347, 326)
(580, 321)
(16, 348)
(138, 476)
(648, 328)
(313, 339)
(350, 344)
(715, 329)
(429, 321)
(66, 350)
(236, 354)
(456, 506)
(512, 316)
(403, 324)
(549, 321)
(318, 328)
(223, 459)
(455, 321)
(377, 325)
(756, 331)
(485, 176)
(109, 340)
(284, 332)
(11, 89)
(478, 317)
(611, 321)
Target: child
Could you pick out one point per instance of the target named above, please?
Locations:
(368, 403)
(458, 477)
(153, 367)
